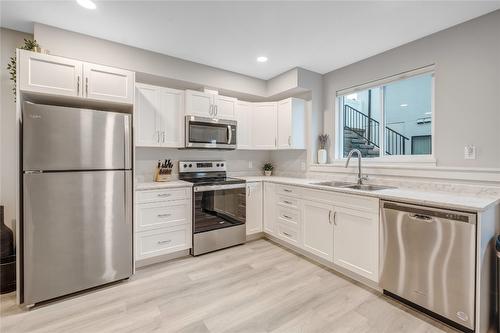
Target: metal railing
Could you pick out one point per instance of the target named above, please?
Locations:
(368, 128)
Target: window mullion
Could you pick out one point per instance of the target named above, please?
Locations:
(382, 123)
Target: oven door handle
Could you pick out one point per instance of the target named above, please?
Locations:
(218, 187)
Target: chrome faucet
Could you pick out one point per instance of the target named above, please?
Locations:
(360, 175)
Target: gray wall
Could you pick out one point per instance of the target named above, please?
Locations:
(9, 41)
(467, 83)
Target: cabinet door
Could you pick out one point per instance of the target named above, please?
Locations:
(317, 229)
(264, 118)
(109, 84)
(355, 241)
(47, 74)
(199, 104)
(285, 124)
(171, 118)
(244, 119)
(225, 107)
(269, 208)
(254, 208)
(146, 117)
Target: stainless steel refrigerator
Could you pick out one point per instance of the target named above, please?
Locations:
(77, 200)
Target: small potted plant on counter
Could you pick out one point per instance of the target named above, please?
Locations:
(322, 152)
(268, 168)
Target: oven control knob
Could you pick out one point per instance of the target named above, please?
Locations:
(190, 165)
(222, 164)
(217, 164)
(185, 165)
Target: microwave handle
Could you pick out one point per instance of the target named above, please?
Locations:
(229, 134)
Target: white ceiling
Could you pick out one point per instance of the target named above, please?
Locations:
(319, 36)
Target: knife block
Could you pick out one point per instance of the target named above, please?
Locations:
(163, 174)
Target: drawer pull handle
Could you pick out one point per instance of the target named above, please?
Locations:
(287, 190)
(164, 195)
(287, 217)
(164, 242)
(287, 202)
(163, 215)
(287, 234)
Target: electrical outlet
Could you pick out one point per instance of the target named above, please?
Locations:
(303, 166)
(470, 152)
(250, 164)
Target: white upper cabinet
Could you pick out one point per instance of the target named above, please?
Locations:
(244, 127)
(47, 74)
(208, 105)
(159, 114)
(146, 116)
(317, 229)
(254, 208)
(110, 84)
(264, 125)
(225, 107)
(356, 235)
(291, 124)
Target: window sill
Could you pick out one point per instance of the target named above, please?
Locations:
(399, 162)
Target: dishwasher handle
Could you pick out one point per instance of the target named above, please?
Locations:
(428, 214)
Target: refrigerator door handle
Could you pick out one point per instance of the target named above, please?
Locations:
(126, 128)
(128, 197)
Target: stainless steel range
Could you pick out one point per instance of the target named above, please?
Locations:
(219, 205)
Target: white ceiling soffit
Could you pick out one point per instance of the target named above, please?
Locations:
(319, 36)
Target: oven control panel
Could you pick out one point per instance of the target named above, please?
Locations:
(202, 166)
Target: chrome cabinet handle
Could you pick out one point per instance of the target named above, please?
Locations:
(87, 86)
(334, 218)
(161, 242)
(288, 202)
(287, 234)
(287, 190)
(289, 140)
(163, 215)
(216, 109)
(78, 85)
(164, 195)
(287, 217)
(210, 109)
(248, 189)
(330, 216)
(163, 136)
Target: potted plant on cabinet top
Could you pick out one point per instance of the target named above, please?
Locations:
(268, 169)
(322, 152)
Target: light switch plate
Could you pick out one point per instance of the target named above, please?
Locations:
(470, 152)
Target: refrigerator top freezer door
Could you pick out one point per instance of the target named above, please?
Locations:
(60, 138)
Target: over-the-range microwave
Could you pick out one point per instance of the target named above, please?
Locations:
(204, 132)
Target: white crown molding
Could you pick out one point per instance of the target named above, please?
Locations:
(416, 170)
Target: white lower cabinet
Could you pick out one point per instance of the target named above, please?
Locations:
(340, 228)
(254, 208)
(269, 208)
(356, 241)
(162, 222)
(317, 228)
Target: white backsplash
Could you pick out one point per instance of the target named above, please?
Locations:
(146, 160)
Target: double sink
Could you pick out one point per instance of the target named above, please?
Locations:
(354, 186)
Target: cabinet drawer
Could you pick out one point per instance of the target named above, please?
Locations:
(288, 234)
(360, 202)
(288, 201)
(161, 214)
(162, 195)
(288, 190)
(289, 215)
(162, 241)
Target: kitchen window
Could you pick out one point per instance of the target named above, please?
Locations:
(388, 119)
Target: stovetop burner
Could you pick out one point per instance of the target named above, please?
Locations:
(206, 173)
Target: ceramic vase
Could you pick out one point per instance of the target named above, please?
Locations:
(322, 156)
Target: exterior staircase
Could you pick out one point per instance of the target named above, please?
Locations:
(355, 139)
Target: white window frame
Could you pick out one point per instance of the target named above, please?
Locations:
(383, 159)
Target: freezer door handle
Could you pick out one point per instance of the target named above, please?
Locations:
(128, 197)
(126, 127)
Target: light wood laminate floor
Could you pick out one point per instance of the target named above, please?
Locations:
(256, 287)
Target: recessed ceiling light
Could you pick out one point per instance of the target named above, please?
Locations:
(403, 105)
(262, 59)
(89, 4)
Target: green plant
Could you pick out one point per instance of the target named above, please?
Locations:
(323, 141)
(29, 45)
(268, 167)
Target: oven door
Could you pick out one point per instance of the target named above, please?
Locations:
(210, 133)
(218, 207)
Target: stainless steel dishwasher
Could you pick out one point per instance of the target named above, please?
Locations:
(428, 260)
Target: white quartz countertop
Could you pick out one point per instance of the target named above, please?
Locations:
(162, 185)
(450, 200)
